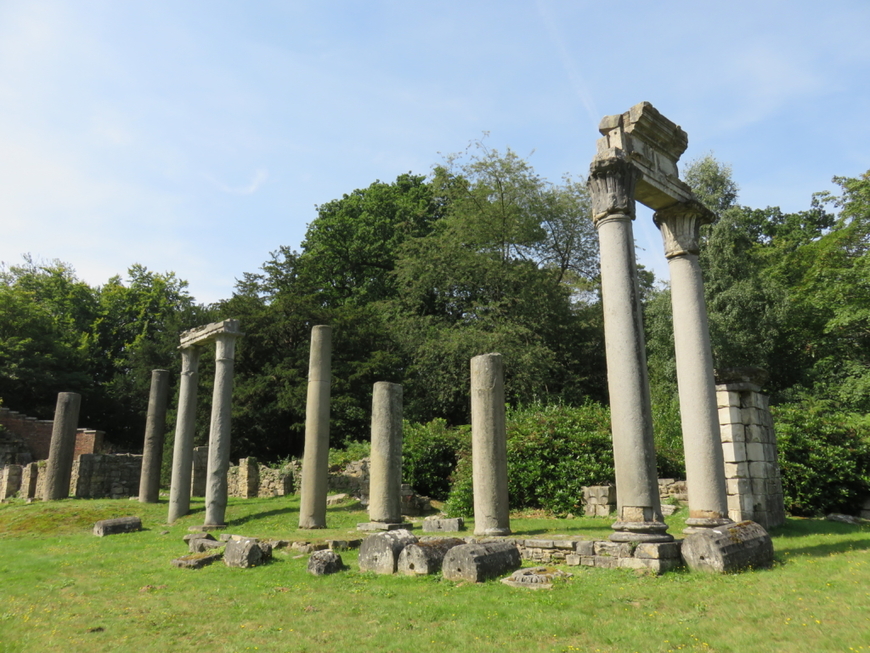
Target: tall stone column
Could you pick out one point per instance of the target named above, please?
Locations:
(315, 460)
(705, 468)
(612, 180)
(385, 477)
(185, 425)
(219, 431)
(489, 446)
(62, 448)
(155, 427)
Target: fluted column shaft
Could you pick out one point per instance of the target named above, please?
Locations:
(705, 468)
(611, 182)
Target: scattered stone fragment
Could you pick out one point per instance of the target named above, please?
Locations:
(119, 525)
(479, 562)
(728, 548)
(380, 553)
(437, 524)
(845, 519)
(197, 560)
(343, 545)
(201, 544)
(198, 536)
(325, 562)
(535, 578)
(425, 557)
(335, 499)
(383, 526)
(307, 547)
(246, 552)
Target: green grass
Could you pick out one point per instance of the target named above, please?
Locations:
(62, 589)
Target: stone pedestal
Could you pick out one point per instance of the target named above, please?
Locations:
(219, 432)
(182, 452)
(612, 181)
(385, 483)
(315, 460)
(489, 446)
(63, 441)
(705, 477)
(155, 427)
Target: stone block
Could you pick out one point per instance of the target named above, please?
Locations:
(737, 470)
(755, 451)
(453, 525)
(245, 553)
(574, 560)
(587, 547)
(480, 562)
(118, 525)
(197, 560)
(605, 562)
(750, 416)
(738, 485)
(760, 469)
(380, 553)
(755, 433)
(201, 544)
(734, 452)
(424, 558)
(728, 548)
(613, 549)
(538, 544)
(603, 510)
(730, 415)
(322, 563)
(535, 578)
(732, 433)
(726, 398)
(587, 561)
(198, 535)
(378, 526)
(759, 487)
(658, 550)
(652, 565)
(569, 545)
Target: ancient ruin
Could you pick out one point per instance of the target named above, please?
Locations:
(58, 471)
(224, 335)
(155, 427)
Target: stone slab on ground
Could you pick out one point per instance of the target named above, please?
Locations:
(200, 544)
(728, 548)
(480, 562)
(117, 525)
(325, 562)
(383, 526)
(197, 560)
(535, 578)
(246, 552)
(437, 524)
(380, 553)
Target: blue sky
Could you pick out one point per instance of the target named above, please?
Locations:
(199, 136)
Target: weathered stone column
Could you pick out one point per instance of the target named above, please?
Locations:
(612, 179)
(219, 431)
(185, 425)
(63, 444)
(315, 460)
(489, 446)
(705, 467)
(385, 476)
(155, 427)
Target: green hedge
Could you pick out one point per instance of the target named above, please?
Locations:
(824, 458)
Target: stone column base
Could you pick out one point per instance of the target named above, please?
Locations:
(383, 526)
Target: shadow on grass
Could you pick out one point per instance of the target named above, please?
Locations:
(802, 527)
(257, 516)
(824, 550)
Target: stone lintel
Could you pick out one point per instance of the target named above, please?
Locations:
(208, 332)
(654, 144)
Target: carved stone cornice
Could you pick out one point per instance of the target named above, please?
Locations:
(611, 183)
(680, 225)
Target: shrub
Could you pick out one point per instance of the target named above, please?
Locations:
(552, 452)
(824, 458)
(352, 451)
(429, 455)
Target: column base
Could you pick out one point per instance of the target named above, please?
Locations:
(647, 531)
(697, 524)
(383, 526)
(494, 532)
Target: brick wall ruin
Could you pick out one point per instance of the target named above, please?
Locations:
(36, 436)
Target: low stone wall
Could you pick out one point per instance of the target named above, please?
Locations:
(10, 481)
(106, 475)
(36, 435)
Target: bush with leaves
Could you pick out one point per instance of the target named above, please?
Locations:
(552, 452)
(824, 458)
(429, 455)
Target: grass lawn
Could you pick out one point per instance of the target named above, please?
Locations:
(62, 589)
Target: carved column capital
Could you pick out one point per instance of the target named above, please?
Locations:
(611, 183)
(680, 225)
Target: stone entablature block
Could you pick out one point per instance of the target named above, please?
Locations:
(203, 334)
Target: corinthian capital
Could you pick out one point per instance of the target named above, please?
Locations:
(680, 224)
(611, 183)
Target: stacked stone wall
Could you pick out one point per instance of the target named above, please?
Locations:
(106, 475)
(10, 481)
(752, 474)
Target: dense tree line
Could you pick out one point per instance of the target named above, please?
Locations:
(418, 275)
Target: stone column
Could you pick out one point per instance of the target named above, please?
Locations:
(385, 476)
(155, 427)
(219, 431)
(185, 425)
(315, 460)
(489, 446)
(705, 467)
(612, 179)
(63, 443)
